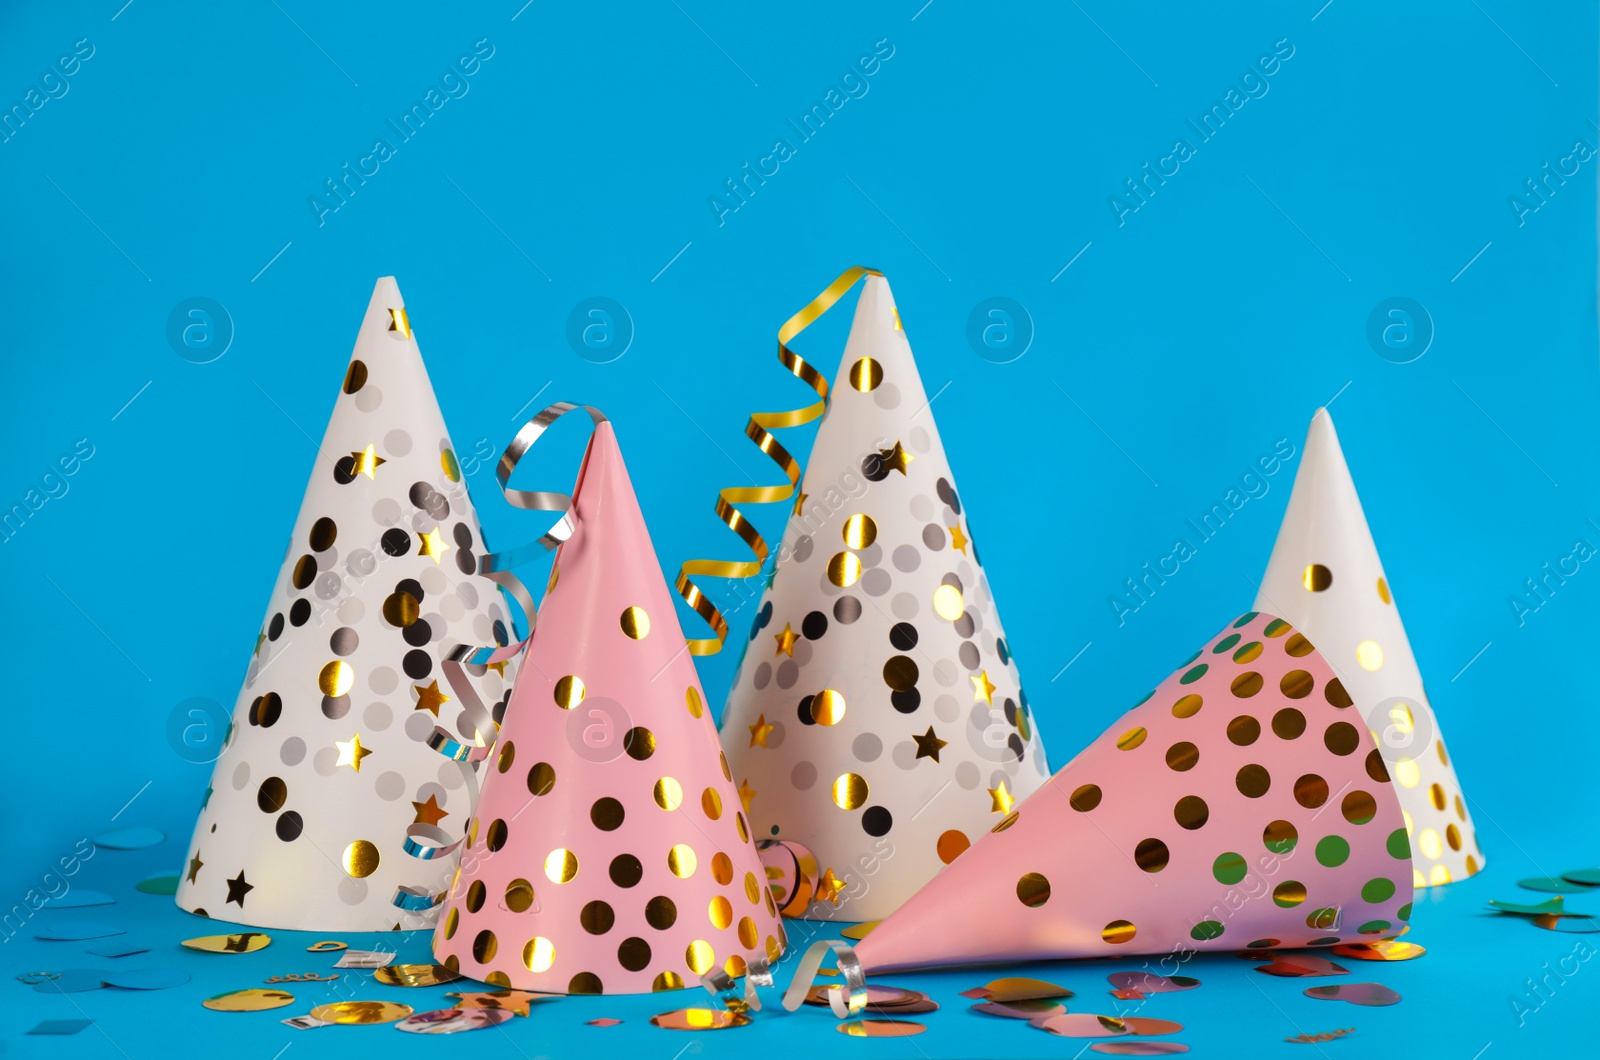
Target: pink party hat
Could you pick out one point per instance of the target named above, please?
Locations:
(1242, 804)
(610, 852)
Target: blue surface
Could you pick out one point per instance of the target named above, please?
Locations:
(1380, 163)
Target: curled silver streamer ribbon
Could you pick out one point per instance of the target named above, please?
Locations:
(846, 1001)
(428, 842)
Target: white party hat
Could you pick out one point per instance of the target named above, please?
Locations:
(327, 762)
(1326, 579)
(877, 720)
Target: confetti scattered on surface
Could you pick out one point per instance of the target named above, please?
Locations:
(157, 885)
(73, 981)
(699, 1019)
(859, 931)
(243, 942)
(414, 975)
(298, 977)
(603, 1021)
(1587, 877)
(1325, 1036)
(59, 1026)
(1553, 886)
(1369, 994)
(146, 978)
(1127, 995)
(1555, 905)
(453, 1020)
(1381, 951)
(1016, 989)
(364, 959)
(129, 838)
(1027, 1009)
(1570, 924)
(77, 899)
(876, 995)
(119, 946)
(361, 1012)
(304, 1023)
(78, 931)
(327, 946)
(1139, 1048)
(32, 978)
(880, 1028)
(1301, 965)
(516, 1001)
(1082, 1025)
(252, 1000)
(1148, 983)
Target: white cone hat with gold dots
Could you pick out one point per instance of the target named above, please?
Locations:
(1325, 578)
(326, 763)
(877, 719)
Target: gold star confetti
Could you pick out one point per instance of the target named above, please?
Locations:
(366, 462)
(498, 667)
(351, 752)
(432, 544)
(958, 540)
(400, 322)
(928, 744)
(430, 812)
(896, 459)
(828, 888)
(430, 699)
(759, 733)
(1001, 800)
(195, 864)
(786, 640)
(746, 793)
(982, 688)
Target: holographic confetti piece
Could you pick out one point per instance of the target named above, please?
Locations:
(453, 1020)
(1301, 965)
(1391, 950)
(1148, 983)
(364, 959)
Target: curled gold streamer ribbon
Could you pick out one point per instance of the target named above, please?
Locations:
(759, 430)
(846, 1001)
(428, 842)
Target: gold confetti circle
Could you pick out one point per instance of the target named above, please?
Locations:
(361, 1012)
(541, 778)
(948, 604)
(569, 692)
(700, 957)
(722, 868)
(400, 609)
(1383, 591)
(414, 975)
(844, 569)
(1118, 932)
(681, 861)
(668, 793)
(254, 1000)
(336, 678)
(749, 937)
(827, 707)
(539, 954)
(639, 742)
(1187, 707)
(1246, 684)
(849, 791)
(560, 865)
(720, 912)
(691, 698)
(1151, 855)
(859, 531)
(698, 1019)
(360, 859)
(1033, 889)
(1369, 655)
(636, 623)
(1297, 684)
(452, 920)
(1316, 578)
(1132, 738)
(519, 896)
(711, 803)
(667, 981)
(951, 845)
(1084, 798)
(865, 374)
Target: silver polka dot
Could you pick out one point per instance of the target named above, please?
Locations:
(762, 677)
(422, 522)
(335, 706)
(921, 508)
(974, 616)
(802, 651)
(871, 556)
(906, 558)
(867, 747)
(847, 610)
(352, 610)
(904, 605)
(419, 725)
(450, 775)
(353, 891)
(969, 654)
(368, 398)
(919, 439)
(435, 626)
(802, 549)
(964, 569)
(887, 395)
(390, 786)
(325, 761)
(947, 708)
(876, 582)
(328, 557)
(328, 585)
(241, 776)
(945, 673)
(433, 578)
(343, 641)
(953, 579)
(788, 673)
(803, 775)
(468, 593)
(905, 755)
(827, 586)
(378, 716)
(482, 628)
(964, 625)
(361, 563)
(293, 751)
(933, 536)
(386, 512)
(397, 442)
(982, 715)
(1001, 775)
(776, 736)
(967, 775)
(431, 790)
(383, 680)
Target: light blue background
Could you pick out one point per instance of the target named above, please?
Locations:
(1191, 338)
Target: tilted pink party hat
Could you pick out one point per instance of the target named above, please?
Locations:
(1242, 804)
(610, 852)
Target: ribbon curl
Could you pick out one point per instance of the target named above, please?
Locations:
(759, 430)
(846, 1001)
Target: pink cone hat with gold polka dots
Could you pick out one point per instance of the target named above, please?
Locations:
(610, 852)
(1242, 804)
(1325, 577)
(877, 719)
(327, 763)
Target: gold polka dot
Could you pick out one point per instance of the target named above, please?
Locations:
(660, 912)
(951, 845)
(1369, 655)
(1118, 931)
(607, 813)
(633, 953)
(681, 861)
(752, 889)
(711, 803)
(1439, 874)
(472, 833)
(849, 791)
(1436, 793)
(400, 609)
(721, 868)
(865, 374)
(700, 957)
(1334, 692)
(1084, 798)
(1297, 646)
(1444, 759)
(735, 966)
(1253, 781)
(1132, 738)
(453, 963)
(1182, 756)
(667, 981)
(1407, 773)
(948, 604)
(519, 896)
(1289, 894)
(539, 954)
(1472, 865)
(476, 893)
(1151, 855)
(1248, 652)
(355, 377)
(636, 623)
(1452, 835)
(496, 836)
(749, 937)
(859, 531)
(668, 793)
(1297, 684)
(900, 673)
(1244, 730)
(639, 742)
(1246, 684)
(1288, 724)
(541, 778)
(1461, 808)
(1316, 578)
(692, 698)
(560, 865)
(597, 917)
(484, 946)
(1359, 807)
(1033, 889)
(1007, 821)
(1383, 591)
(452, 920)
(720, 912)
(1187, 707)
(844, 569)
(508, 752)
(827, 707)
(727, 774)
(569, 692)
(1191, 812)
(1310, 791)
(336, 678)
(585, 983)
(360, 859)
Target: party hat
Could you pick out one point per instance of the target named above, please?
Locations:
(326, 763)
(1326, 578)
(877, 719)
(610, 852)
(1242, 804)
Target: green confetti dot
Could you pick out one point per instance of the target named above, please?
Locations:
(1399, 845)
(1404, 913)
(1229, 868)
(1373, 927)
(1248, 652)
(1377, 890)
(1324, 918)
(1146, 698)
(1191, 658)
(1206, 930)
(1245, 619)
(1193, 675)
(1332, 851)
(1274, 626)
(1225, 643)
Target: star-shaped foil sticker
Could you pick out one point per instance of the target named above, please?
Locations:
(195, 865)
(399, 322)
(432, 544)
(430, 699)
(746, 793)
(238, 888)
(896, 459)
(958, 540)
(786, 641)
(430, 812)
(759, 733)
(351, 752)
(829, 887)
(366, 462)
(928, 744)
(982, 688)
(1000, 800)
